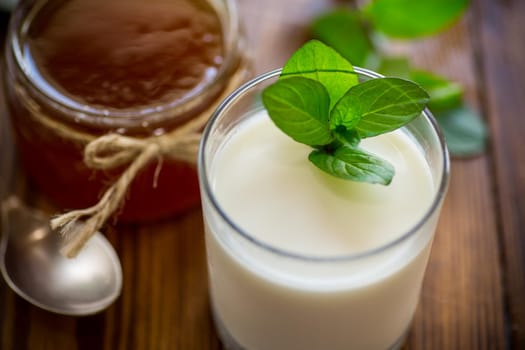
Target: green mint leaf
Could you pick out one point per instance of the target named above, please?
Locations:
(354, 164)
(465, 132)
(319, 62)
(411, 19)
(300, 108)
(378, 106)
(343, 30)
(444, 94)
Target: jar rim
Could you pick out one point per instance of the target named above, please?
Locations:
(131, 116)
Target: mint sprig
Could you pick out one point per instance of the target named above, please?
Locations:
(359, 34)
(318, 102)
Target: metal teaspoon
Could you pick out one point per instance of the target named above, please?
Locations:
(33, 267)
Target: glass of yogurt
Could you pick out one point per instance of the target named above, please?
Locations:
(298, 259)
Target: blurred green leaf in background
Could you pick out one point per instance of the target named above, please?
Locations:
(343, 30)
(444, 94)
(413, 18)
(352, 30)
(464, 131)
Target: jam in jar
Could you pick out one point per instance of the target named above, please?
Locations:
(79, 69)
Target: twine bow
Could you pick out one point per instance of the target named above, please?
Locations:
(113, 150)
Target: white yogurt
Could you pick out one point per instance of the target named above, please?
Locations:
(265, 184)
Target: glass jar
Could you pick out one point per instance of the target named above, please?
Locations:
(79, 69)
(6, 158)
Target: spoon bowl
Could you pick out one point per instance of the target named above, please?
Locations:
(31, 264)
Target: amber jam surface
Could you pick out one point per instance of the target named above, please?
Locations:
(128, 53)
(134, 67)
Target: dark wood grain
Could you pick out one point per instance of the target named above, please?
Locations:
(501, 30)
(473, 294)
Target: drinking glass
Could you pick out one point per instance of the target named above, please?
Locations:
(265, 297)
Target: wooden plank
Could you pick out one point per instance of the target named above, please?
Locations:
(462, 299)
(501, 25)
(164, 304)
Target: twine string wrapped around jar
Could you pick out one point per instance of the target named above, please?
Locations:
(113, 150)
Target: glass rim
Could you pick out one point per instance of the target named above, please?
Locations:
(126, 117)
(206, 186)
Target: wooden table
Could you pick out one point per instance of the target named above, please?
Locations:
(474, 291)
